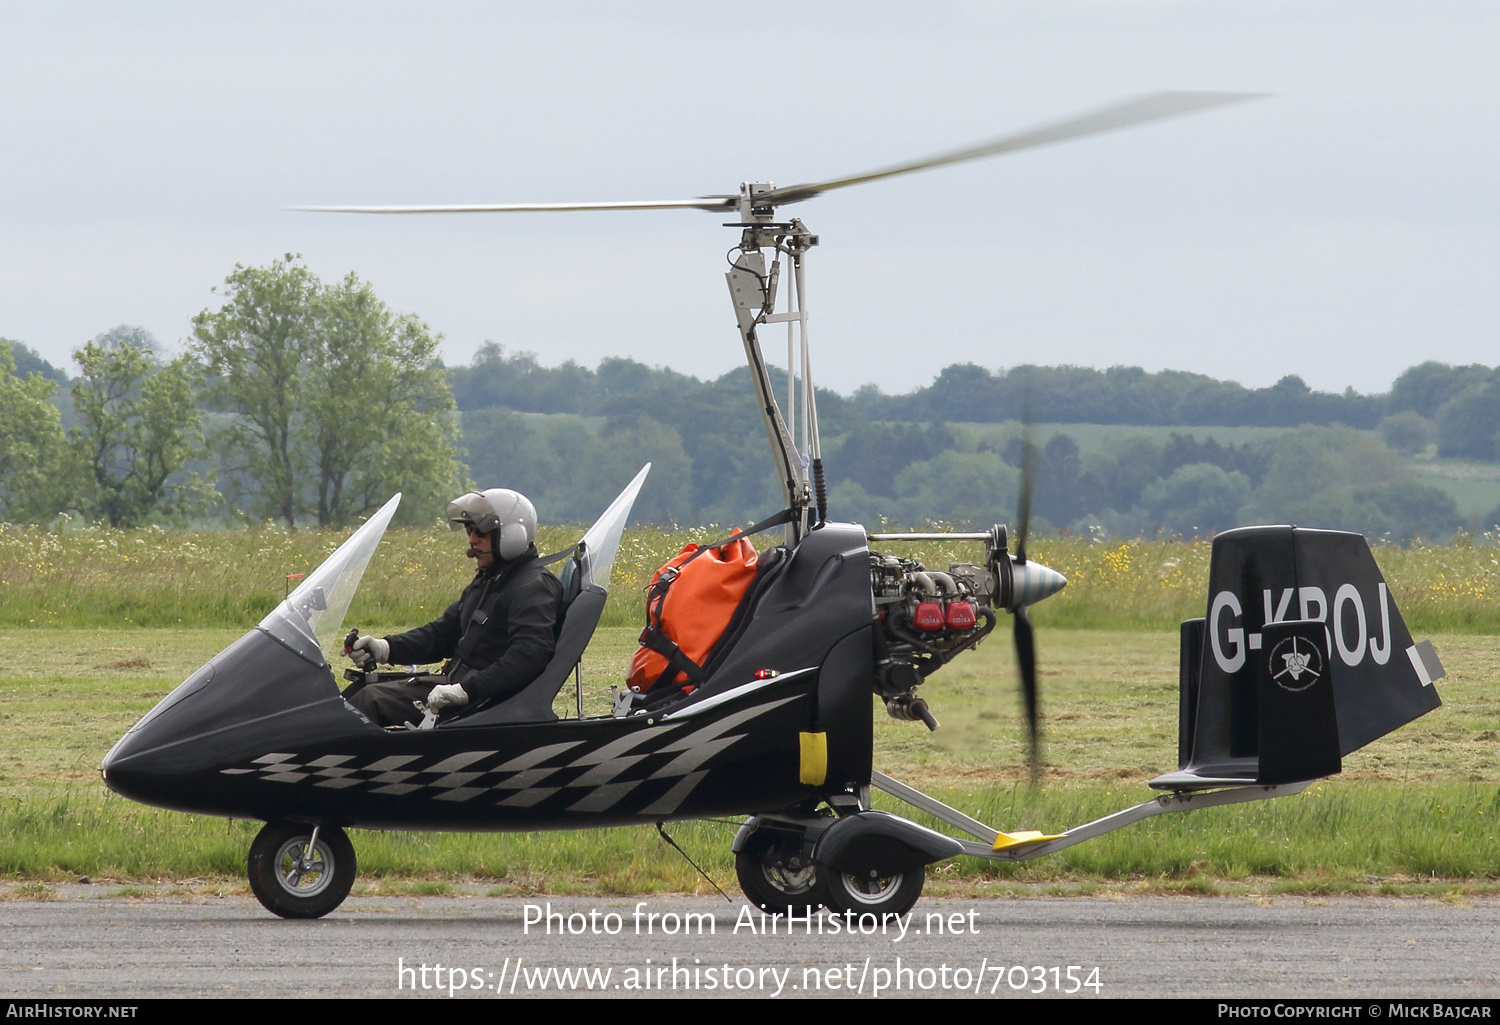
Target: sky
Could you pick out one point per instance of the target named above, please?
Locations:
(1342, 228)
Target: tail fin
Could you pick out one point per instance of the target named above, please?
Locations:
(1302, 659)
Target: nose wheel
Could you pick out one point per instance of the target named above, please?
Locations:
(301, 871)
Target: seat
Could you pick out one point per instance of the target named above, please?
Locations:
(582, 605)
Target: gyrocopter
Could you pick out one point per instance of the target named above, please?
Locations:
(1301, 658)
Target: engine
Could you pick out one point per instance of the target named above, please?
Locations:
(923, 619)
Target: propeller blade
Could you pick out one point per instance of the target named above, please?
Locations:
(1028, 478)
(1028, 485)
(1026, 661)
(1025, 638)
(1133, 112)
(720, 203)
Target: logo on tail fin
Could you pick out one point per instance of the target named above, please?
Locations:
(1295, 667)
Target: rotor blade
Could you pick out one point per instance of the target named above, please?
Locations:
(1026, 661)
(1133, 112)
(702, 203)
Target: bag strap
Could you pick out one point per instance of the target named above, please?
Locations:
(785, 516)
(677, 662)
(652, 637)
(574, 549)
(656, 593)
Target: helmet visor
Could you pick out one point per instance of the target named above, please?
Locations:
(473, 510)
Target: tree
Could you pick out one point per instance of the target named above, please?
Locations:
(137, 427)
(504, 451)
(1408, 431)
(627, 443)
(255, 350)
(33, 451)
(974, 488)
(1311, 460)
(379, 415)
(336, 401)
(873, 454)
(1197, 499)
(518, 381)
(1058, 495)
(1490, 521)
(1425, 387)
(28, 361)
(1395, 511)
(1124, 466)
(1469, 423)
(1339, 478)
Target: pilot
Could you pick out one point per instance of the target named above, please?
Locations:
(497, 637)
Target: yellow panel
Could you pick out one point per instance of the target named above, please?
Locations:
(1024, 836)
(814, 768)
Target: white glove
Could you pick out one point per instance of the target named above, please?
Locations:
(447, 695)
(369, 650)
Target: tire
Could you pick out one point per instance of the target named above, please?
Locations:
(775, 873)
(884, 895)
(291, 890)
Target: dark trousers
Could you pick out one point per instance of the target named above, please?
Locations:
(391, 703)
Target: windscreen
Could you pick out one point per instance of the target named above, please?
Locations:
(602, 541)
(308, 621)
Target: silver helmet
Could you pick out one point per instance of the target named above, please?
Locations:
(498, 509)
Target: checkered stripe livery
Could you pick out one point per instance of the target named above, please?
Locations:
(601, 776)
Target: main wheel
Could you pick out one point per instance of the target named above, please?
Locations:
(878, 895)
(775, 873)
(295, 882)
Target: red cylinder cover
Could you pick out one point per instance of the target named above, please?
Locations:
(928, 616)
(961, 615)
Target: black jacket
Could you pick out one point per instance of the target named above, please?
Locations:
(500, 632)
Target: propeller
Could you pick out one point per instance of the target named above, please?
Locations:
(1153, 107)
(1025, 639)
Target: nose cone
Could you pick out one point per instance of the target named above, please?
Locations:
(1031, 582)
(255, 696)
(134, 766)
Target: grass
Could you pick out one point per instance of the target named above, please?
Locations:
(125, 616)
(108, 579)
(168, 580)
(1109, 698)
(1473, 485)
(1335, 838)
(1413, 812)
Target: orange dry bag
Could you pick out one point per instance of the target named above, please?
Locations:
(688, 607)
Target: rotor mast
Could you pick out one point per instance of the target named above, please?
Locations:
(753, 291)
